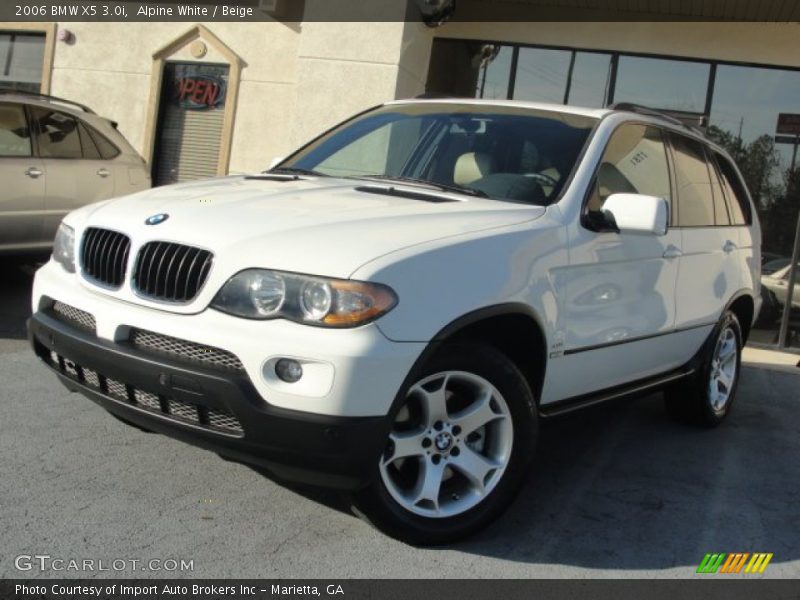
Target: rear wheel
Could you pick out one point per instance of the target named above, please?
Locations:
(457, 449)
(707, 398)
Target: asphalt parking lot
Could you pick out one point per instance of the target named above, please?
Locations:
(619, 491)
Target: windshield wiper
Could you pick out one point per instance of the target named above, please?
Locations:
(447, 187)
(295, 171)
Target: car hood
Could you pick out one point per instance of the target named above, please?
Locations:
(321, 226)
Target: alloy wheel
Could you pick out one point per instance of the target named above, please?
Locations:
(724, 365)
(449, 445)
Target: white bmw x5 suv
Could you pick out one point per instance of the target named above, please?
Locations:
(392, 309)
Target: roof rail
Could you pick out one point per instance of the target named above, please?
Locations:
(12, 91)
(692, 121)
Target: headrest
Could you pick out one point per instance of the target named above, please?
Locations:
(472, 166)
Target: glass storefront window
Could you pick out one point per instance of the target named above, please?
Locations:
(494, 77)
(21, 60)
(750, 111)
(743, 119)
(589, 84)
(542, 75)
(662, 84)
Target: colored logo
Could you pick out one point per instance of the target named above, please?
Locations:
(735, 563)
(156, 219)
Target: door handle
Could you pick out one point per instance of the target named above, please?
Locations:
(33, 172)
(729, 247)
(103, 172)
(672, 252)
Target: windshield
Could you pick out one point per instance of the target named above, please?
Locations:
(505, 153)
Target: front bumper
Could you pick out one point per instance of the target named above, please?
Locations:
(186, 401)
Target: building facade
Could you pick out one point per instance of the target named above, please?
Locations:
(201, 99)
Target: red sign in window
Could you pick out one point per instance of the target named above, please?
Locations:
(200, 92)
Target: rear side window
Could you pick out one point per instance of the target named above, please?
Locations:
(60, 135)
(57, 134)
(695, 196)
(106, 148)
(15, 139)
(735, 195)
(722, 215)
(90, 150)
(634, 162)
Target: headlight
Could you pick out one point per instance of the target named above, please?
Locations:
(64, 247)
(262, 294)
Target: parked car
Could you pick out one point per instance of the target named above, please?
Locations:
(56, 156)
(776, 285)
(776, 264)
(393, 308)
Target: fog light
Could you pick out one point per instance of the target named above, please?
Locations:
(288, 370)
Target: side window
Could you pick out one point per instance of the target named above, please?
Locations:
(107, 149)
(57, 134)
(722, 217)
(15, 138)
(634, 162)
(90, 150)
(695, 197)
(735, 193)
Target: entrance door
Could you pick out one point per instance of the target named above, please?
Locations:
(190, 122)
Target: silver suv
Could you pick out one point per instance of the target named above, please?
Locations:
(56, 156)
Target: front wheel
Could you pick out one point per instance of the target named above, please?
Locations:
(457, 450)
(707, 398)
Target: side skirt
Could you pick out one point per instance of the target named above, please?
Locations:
(636, 388)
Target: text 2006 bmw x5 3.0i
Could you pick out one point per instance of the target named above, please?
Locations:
(392, 308)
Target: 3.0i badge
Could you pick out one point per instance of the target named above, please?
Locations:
(156, 219)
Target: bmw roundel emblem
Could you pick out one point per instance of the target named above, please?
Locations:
(156, 219)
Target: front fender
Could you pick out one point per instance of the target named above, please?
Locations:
(442, 281)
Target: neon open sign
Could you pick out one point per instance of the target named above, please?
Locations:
(199, 92)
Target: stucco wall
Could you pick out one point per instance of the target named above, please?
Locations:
(108, 67)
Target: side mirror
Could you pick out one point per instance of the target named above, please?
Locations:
(637, 213)
(275, 162)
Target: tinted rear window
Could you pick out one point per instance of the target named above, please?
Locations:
(735, 193)
(695, 196)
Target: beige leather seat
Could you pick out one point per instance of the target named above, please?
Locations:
(472, 166)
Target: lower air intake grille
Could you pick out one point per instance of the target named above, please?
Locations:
(74, 316)
(149, 341)
(104, 255)
(217, 420)
(171, 272)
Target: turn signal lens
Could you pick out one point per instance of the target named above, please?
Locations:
(358, 302)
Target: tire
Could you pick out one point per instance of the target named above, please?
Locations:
(707, 397)
(446, 473)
